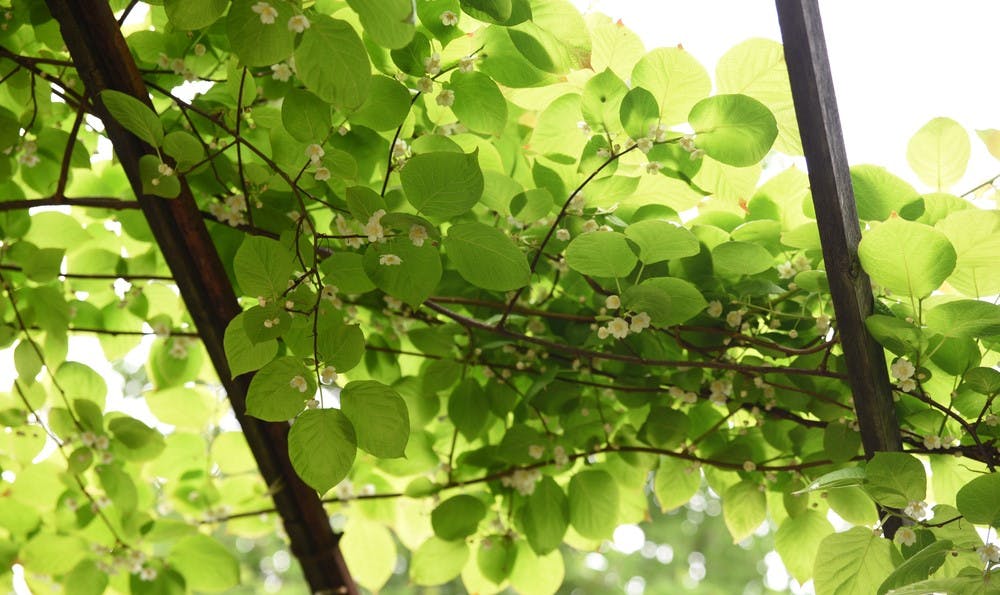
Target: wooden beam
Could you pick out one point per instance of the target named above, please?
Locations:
(103, 61)
(837, 218)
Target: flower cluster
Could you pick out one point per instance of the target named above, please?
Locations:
(232, 211)
(903, 371)
(522, 480)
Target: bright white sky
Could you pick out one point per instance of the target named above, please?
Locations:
(896, 63)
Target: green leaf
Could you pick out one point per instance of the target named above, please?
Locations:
(975, 235)
(322, 447)
(667, 300)
(305, 116)
(457, 517)
(388, 22)
(676, 80)
(466, 410)
(44, 265)
(491, 11)
(675, 483)
(155, 183)
(386, 106)
(337, 344)
(48, 553)
(854, 562)
(537, 575)
(939, 153)
(741, 258)
(444, 184)
(263, 267)
(907, 258)
(549, 137)
(638, 112)
(379, 416)
(734, 129)
(496, 558)
(879, 193)
(85, 579)
(744, 508)
(184, 148)
(841, 442)
(183, 407)
(437, 561)
(486, 257)
(593, 503)
(142, 442)
(479, 104)
(918, 567)
(850, 476)
(659, 241)
(256, 42)
(345, 271)
(895, 334)
(414, 279)
(601, 254)
(665, 428)
(205, 563)
(895, 479)
(984, 381)
(601, 102)
(187, 15)
(964, 318)
(272, 395)
(134, 115)
(545, 516)
(331, 61)
(243, 355)
(797, 542)
(979, 500)
(370, 552)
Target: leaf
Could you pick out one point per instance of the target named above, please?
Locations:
(985, 381)
(442, 185)
(386, 106)
(841, 442)
(495, 11)
(895, 479)
(537, 575)
(48, 553)
(964, 318)
(257, 43)
(272, 396)
(676, 80)
(242, 354)
(155, 183)
(437, 561)
(134, 115)
(305, 116)
(85, 579)
(322, 447)
(741, 258)
(734, 129)
(183, 407)
(458, 517)
(854, 562)
(331, 61)
(370, 552)
(262, 267)
(187, 15)
(496, 558)
(601, 102)
(205, 563)
(665, 428)
(975, 235)
(337, 344)
(601, 254)
(414, 279)
(667, 300)
(659, 241)
(744, 508)
(593, 503)
(797, 542)
(896, 335)
(379, 416)
(142, 442)
(906, 257)
(879, 193)
(388, 22)
(479, 104)
(979, 500)
(918, 567)
(184, 148)
(939, 153)
(545, 516)
(638, 112)
(675, 483)
(486, 257)
(466, 409)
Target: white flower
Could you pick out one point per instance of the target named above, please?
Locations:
(344, 490)
(933, 442)
(281, 72)
(793, 334)
(687, 143)
(446, 98)
(299, 383)
(902, 369)
(644, 144)
(523, 480)
(562, 234)
(612, 302)
(467, 64)
(602, 333)
(165, 169)
(690, 397)
(714, 309)
(147, 573)
(786, 270)
(29, 154)
(916, 509)
(584, 128)
(536, 451)
(425, 85)
(721, 390)
(312, 404)
(559, 456)
(618, 328)
(329, 292)
(390, 260)
(267, 12)
(200, 49)
(432, 64)
(801, 263)
(734, 318)
(449, 19)
(577, 203)
(163, 60)
(400, 149)
(315, 152)
(992, 420)
(328, 375)
(822, 323)
(322, 174)
(988, 553)
(639, 322)
(298, 23)
(658, 132)
(749, 466)
(373, 228)
(653, 167)
(589, 226)
(418, 235)
(604, 152)
(102, 442)
(905, 536)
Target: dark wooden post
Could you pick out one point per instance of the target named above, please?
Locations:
(103, 61)
(837, 218)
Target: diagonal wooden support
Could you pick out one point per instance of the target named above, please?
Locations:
(103, 61)
(837, 218)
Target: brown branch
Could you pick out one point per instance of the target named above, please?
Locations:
(96, 202)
